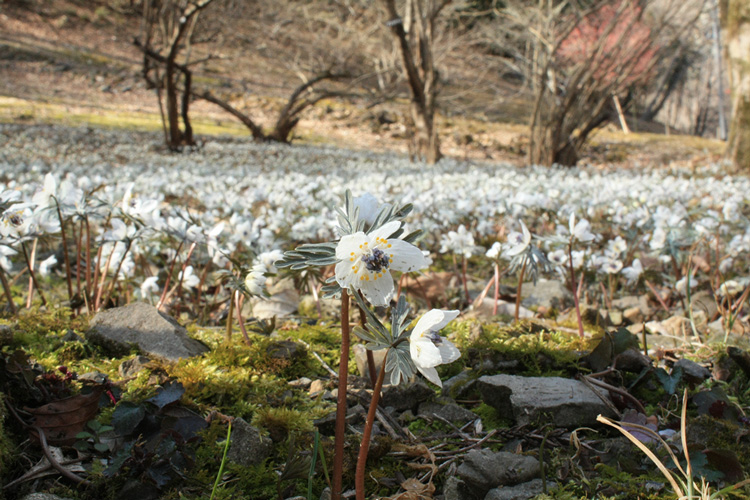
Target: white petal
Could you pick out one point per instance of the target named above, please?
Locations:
(378, 292)
(424, 353)
(406, 257)
(431, 374)
(433, 320)
(345, 275)
(385, 230)
(351, 243)
(448, 351)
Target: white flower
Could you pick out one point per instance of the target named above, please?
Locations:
(558, 257)
(617, 246)
(255, 281)
(150, 287)
(427, 348)
(460, 242)
(633, 272)
(189, 278)
(46, 265)
(730, 288)
(368, 207)
(681, 285)
(518, 242)
(494, 251)
(269, 258)
(365, 262)
(580, 231)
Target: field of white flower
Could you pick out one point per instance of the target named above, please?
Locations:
(238, 199)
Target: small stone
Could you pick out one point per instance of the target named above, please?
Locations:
(484, 469)
(449, 411)
(485, 309)
(316, 387)
(459, 385)
(692, 371)
(565, 402)
(155, 333)
(633, 315)
(550, 294)
(523, 491)
(286, 350)
(406, 396)
(248, 447)
(71, 336)
(632, 361)
(132, 367)
(96, 377)
(301, 383)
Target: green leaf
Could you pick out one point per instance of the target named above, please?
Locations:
(126, 417)
(101, 447)
(84, 435)
(669, 382)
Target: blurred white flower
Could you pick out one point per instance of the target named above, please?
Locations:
(460, 242)
(495, 250)
(255, 281)
(189, 278)
(581, 230)
(47, 264)
(149, 288)
(368, 207)
(517, 242)
(633, 272)
(558, 257)
(428, 349)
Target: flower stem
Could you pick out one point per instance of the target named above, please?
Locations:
(518, 290)
(68, 271)
(338, 450)
(169, 277)
(6, 289)
(238, 304)
(497, 289)
(230, 313)
(33, 274)
(574, 288)
(364, 447)
(32, 260)
(463, 278)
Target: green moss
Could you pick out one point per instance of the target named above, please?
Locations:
(490, 418)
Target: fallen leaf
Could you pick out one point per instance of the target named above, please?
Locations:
(62, 420)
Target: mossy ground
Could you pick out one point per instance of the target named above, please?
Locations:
(248, 381)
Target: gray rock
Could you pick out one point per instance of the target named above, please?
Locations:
(523, 491)
(95, 377)
(632, 301)
(692, 371)
(132, 367)
(546, 293)
(633, 315)
(525, 400)
(286, 350)
(704, 301)
(248, 447)
(459, 385)
(449, 411)
(632, 361)
(141, 324)
(455, 489)
(406, 396)
(484, 469)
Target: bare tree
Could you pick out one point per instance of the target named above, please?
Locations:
(583, 59)
(167, 29)
(735, 17)
(415, 33)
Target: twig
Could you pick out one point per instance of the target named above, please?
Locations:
(54, 463)
(617, 390)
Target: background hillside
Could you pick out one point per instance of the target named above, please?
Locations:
(75, 62)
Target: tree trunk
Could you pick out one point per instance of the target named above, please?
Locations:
(735, 16)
